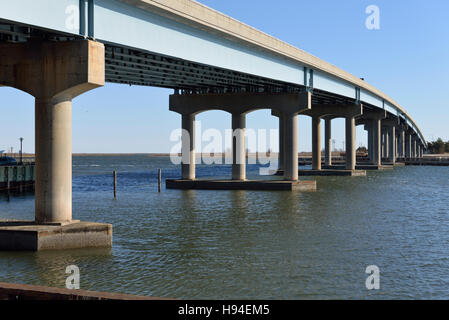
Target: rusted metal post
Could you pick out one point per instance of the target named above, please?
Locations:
(115, 184)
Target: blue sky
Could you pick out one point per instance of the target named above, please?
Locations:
(408, 59)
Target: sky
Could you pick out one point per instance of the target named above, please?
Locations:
(407, 58)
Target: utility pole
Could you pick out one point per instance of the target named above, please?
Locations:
(21, 150)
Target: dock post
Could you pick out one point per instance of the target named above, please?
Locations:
(115, 184)
(7, 182)
(7, 178)
(159, 180)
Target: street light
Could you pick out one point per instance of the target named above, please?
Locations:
(21, 152)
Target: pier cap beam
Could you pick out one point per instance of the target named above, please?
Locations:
(57, 71)
(334, 110)
(54, 73)
(373, 119)
(348, 111)
(240, 103)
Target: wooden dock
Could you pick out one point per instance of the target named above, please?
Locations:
(13, 291)
(17, 177)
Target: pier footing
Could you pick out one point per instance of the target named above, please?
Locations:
(29, 236)
(242, 185)
(331, 172)
(361, 167)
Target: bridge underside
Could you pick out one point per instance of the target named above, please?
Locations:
(134, 67)
(56, 67)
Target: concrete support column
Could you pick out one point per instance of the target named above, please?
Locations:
(53, 73)
(188, 147)
(377, 144)
(291, 147)
(414, 146)
(382, 144)
(281, 142)
(328, 141)
(408, 145)
(402, 143)
(370, 142)
(238, 146)
(350, 143)
(396, 144)
(392, 144)
(53, 134)
(316, 143)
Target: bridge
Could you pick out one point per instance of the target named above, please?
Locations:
(56, 50)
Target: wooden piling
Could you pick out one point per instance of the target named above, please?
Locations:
(115, 184)
(159, 180)
(8, 179)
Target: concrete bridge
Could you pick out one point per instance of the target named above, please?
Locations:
(56, 50)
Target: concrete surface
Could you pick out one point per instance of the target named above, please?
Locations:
(31, 236)
(331, 172)
(361, 167)
(242, 185)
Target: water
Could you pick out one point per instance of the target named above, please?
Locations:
(250, 244)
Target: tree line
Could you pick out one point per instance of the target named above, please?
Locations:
(438, 146)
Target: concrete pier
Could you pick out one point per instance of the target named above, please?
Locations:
(238, 146)
(328, 141)
(377, 142)
(54, 73)
(328, 112)
(291, 147)
(369, 130)
(350, 143)
(188, 147)
(372, 119)
(53, 161)
(281, 159)
(392, 144)
(286, 106)
(401, 142)
(316, 143)
(408, 145)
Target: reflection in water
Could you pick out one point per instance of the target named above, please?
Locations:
(248, 244)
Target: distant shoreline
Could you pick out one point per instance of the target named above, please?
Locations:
(155, 155)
